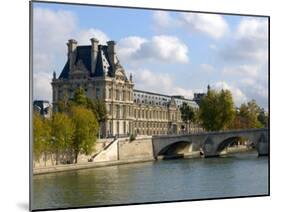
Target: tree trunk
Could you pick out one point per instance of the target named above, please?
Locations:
(76, 156)
(57, 157)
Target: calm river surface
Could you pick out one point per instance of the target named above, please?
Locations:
(236, 175)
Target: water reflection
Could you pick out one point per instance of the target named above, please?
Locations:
(237, 175)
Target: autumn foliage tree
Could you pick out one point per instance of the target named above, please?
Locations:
(71, 130)
(41, 136)
(250, 115)
(86, 130)
(62, 132)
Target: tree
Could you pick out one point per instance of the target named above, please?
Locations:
(263, 118)
(187, 114)
(63, 104)
(86, 130)
(249, 114)
(99, 108)
(226, 108)
(80, 97)
(96, 106)
(38, 138)
(62, 131)
(41, 136)
(216, 110)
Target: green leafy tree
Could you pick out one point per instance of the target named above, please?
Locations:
(226, 108)
(41, 136)
(38, 138)
(63, 104)
(249, 114)
(216, 110)
(187, 114)
(99, 108)
(62, 132)
(96, 106)
(263, 118)
(80, 97)
(86, 130)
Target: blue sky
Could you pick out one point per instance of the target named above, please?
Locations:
(167, 52)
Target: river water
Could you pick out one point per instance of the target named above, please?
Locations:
(181, 179)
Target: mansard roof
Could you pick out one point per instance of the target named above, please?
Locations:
(162, 98)
(83, 54)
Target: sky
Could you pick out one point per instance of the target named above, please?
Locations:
(174, 53)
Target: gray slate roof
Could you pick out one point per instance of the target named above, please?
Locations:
(103, 65)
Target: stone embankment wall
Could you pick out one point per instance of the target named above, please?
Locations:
(141, 148)
(107, 152)
(123, 149)
(50, 160)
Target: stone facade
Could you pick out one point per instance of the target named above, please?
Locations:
(97, 70)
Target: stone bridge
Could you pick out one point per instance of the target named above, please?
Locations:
(211, 143)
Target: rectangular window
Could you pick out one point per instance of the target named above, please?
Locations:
(98, 93)
(109, 109)
(124, 127)
(124, 111)
(124, 96)
(109, 93)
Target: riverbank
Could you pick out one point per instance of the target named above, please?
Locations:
(89, 165)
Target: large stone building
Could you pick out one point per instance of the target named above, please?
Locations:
(97, 70)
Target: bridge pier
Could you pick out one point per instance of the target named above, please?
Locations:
(262, 146)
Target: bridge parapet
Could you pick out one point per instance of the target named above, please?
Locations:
(210, 142)
(213, 132)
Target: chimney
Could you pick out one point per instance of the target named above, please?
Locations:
(72, 45)
(94, 54)
(112, 52)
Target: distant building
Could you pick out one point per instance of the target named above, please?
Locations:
(43, 107)
(97, 70)
(198, 96)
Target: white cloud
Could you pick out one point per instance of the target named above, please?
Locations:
(84, 36)
(247, 57)
(256, 89)
(187, 93)
(42, 89)
(158, 82)
(128, 46)
(238, 96)
(242, 70)
(252, 28)
(250, 42)
(159, 48)
(150, 79)
(52, 30)
(42, 61)
(163, 20)
(209, 24)
(207, 68)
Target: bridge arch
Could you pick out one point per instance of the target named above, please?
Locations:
(214, 145)
(235, 140)
(176, 149)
